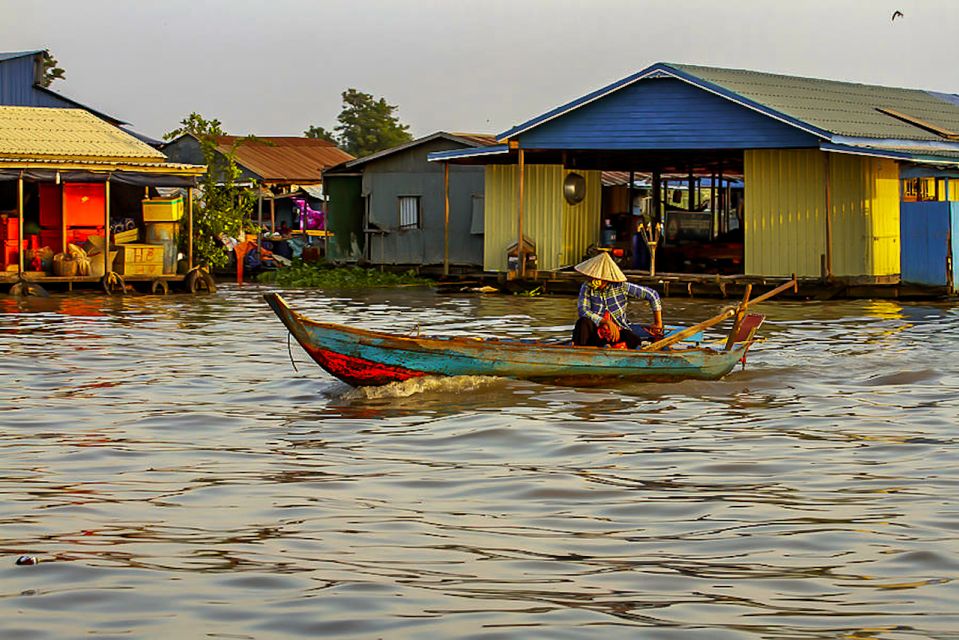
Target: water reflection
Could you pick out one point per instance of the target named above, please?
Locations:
(177, 477)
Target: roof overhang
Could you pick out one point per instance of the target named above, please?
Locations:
(916, 155)
(463, 154)
(104, 166)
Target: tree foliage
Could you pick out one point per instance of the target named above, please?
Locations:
(366, 125)
(222, 208)
(322, 134)
(51, 71)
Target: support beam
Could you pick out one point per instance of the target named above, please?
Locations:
(106, 229)
(189, 227)
(520, 257)
(657, 194)
(446, 218)
(828, 263)
(20, 225)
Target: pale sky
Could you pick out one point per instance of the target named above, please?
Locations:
(277, 67)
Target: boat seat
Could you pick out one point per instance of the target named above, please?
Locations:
(748, 327)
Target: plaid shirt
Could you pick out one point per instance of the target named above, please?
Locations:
(613, 298)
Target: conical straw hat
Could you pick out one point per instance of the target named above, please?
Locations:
(601, 267)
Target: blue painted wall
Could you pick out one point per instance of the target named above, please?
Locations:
(17, 87)
(664, 113)
(16, 83)
(926, 229)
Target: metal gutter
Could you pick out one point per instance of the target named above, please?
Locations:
(439, 156)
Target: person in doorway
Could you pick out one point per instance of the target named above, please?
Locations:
(602, 306)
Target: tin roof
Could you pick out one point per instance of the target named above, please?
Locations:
(826, 108)
(10, 55)
(285, 158)
(843, 108)
(67, 134)
(469, 140)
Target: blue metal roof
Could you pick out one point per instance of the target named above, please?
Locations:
(10, 55)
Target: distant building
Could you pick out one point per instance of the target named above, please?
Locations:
(389, 207)
(853, 183)
(286, 165)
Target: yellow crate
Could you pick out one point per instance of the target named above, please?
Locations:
(139, 260)
(163, 209)
(126, 237)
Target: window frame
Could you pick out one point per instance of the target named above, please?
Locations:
(418, 224)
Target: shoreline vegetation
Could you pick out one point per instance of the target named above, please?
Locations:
(323, 275)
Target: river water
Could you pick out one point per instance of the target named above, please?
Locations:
(177, 478)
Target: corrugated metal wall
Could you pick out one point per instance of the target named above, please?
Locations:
(561, 231)
(865, 215)
(16, 83)
(927, 228)
(785, 228)
(785, 203)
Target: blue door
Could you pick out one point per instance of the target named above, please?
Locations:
(929, 233)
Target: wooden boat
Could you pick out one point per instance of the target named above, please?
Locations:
(361, 357)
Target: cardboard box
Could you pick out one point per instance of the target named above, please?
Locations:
(139, 260)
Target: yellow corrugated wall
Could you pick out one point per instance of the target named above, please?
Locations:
(561, 232)
(785, 199)
(865, 215)
(785, 231)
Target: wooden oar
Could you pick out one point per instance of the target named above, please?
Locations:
(728, 313)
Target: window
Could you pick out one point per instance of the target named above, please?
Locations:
(409, 212)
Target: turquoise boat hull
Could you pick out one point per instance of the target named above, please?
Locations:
(361, 357)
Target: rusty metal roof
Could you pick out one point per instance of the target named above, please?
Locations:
(67, 134)
(285, 159)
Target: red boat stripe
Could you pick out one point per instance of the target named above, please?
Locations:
(359, 372)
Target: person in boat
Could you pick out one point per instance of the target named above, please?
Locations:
(602, 306)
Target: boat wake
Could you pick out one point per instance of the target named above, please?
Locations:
(424, 384)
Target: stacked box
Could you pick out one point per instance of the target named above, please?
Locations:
(163, 209)
(139, 260)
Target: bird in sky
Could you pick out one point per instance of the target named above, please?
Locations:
(897, 14)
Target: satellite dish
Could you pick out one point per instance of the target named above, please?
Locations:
(574, 188)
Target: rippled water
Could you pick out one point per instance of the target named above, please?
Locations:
(177, 478)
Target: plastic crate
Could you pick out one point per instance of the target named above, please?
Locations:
(163, 209)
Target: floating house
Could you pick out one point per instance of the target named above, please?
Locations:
(396, 208)
(69, 180)
(838, 182)
(288, 167)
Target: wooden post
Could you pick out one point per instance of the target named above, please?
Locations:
(446, 218)
(189, 225)
(273, 213)
(259, 221)
(63, 217)
(657, 196)
(20, 225)
(520, 258)
(106, 229)
(828, 217)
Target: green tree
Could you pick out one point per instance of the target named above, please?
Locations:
(322, 134)
(366, 125)
(222, 208)
(51, 71)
